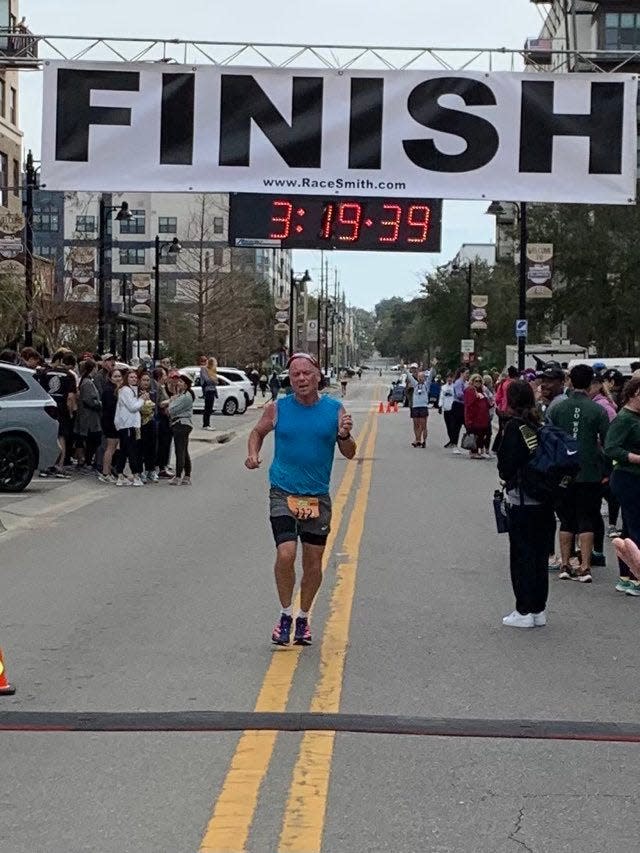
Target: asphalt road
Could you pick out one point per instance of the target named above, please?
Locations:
(162, 599)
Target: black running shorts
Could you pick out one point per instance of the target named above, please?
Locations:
(287, 528)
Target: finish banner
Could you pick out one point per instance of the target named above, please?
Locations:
(438, 134)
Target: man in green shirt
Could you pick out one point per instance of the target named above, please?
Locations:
(579, 508)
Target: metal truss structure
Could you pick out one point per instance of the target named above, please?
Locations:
(26, 50)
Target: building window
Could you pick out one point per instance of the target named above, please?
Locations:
(49, 252)
(135, 225)
(168, 258)
(16, 178)
(218, 257)
(3, 98)
(46, 218)
(13, 107)
(85, 224)
(621, 31)
(132, 257)
(218, 225)
(167, 225)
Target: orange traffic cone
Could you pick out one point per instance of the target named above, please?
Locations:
(5, 688)
(395, 408)
(389, 408)
(381, 409)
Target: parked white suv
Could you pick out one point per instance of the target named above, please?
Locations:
(231, 398)
(239, 377)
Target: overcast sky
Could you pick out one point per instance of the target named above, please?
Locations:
(366, 276)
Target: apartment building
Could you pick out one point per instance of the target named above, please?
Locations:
(66, 231)
(10, 133)
(611, 26)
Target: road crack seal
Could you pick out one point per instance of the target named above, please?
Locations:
(517, 829)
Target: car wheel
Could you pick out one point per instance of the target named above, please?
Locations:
(17, 463)
(230, 406)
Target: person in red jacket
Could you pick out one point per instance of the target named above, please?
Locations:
(476, 416)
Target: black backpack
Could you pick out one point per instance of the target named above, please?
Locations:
(553, 465)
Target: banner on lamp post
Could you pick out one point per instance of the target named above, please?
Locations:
(312, 331)
(479, 312)
(141, 294)
(539, 270)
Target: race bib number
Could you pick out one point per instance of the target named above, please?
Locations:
(304, 507)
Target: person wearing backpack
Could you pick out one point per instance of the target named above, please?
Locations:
(579, 507)
(527, 515)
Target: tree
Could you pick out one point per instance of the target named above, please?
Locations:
(11, 307)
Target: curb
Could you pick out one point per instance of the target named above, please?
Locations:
(216, 438)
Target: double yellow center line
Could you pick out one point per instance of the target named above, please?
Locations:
(230, 824)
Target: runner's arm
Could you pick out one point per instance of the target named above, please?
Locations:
(346, 445)
(258, 434)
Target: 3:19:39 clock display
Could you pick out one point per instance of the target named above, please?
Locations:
(317, 222)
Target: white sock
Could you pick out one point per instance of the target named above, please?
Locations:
(303, 615)
(287, 611)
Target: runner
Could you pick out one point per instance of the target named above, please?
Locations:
(307, 427)
(344, 378)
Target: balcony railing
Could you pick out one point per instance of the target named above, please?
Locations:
(19, 45)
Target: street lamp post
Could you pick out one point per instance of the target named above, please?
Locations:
(522, 301)
(293, 292)
(496, 209)
(173, 247)
(123, 213)
(469, 299)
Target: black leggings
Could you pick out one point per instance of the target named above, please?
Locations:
(92, 442)
(528, 557)
(457, 420)
(129, 451)
(149, 446)
(209, 401)
(181, 434)
(449, 423)
(164, 442)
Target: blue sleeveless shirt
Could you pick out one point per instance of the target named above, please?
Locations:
(305, 442)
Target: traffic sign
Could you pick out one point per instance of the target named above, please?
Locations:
(466, 345)
(281, 327)
(522, 328)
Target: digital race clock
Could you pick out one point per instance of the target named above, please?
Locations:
(318, 222)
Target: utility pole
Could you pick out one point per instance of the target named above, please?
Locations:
(522, 306)
(319, 306)
(28, 256)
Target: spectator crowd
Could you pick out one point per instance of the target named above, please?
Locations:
(116, 422)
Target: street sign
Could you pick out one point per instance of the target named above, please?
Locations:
(256, 243)
(522, 328)
(466, 345)
(282, 316)
(281, 303)
(281, 327)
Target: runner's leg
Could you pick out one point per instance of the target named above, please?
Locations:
(285, 572)
(311, 574)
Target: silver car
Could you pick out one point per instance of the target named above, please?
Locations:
(28, 428)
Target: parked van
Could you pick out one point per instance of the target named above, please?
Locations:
(621, 364)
